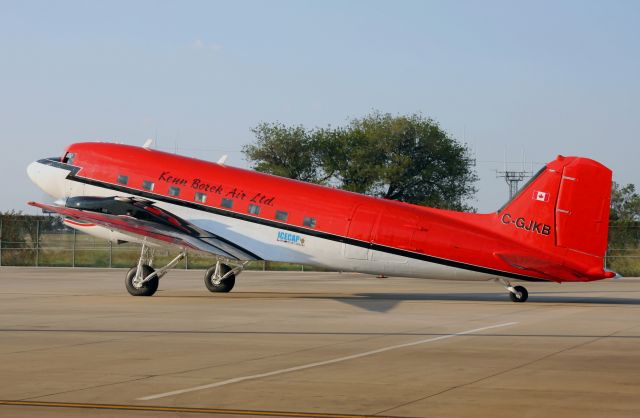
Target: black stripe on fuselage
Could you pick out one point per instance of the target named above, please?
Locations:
(73, 170)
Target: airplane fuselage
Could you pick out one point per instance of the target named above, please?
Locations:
(285, 220)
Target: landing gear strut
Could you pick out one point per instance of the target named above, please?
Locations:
(222, 277)
(143, 279)
(516, 293)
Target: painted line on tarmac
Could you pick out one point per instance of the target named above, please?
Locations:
(320, 363)
(175, 409)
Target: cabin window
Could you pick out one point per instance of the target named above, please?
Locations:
(227, 203)
(310, 222)
(201, 197)
(254, 209)
(174, 191)
(282, 215)
(123, 179)
(148, 185)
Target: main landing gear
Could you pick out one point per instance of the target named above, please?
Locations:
(516, 293)
(143, 279)
(221, 277)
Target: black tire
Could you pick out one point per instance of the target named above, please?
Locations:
(224, 286)
(148, 288)
(524, 295)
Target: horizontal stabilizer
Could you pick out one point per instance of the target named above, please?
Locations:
(551, 266)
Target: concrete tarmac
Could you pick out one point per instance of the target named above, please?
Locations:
(74, 343)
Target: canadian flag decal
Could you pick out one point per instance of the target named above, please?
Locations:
(540, 196)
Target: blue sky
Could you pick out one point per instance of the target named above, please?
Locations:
(546, 77)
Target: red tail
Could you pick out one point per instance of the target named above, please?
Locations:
(565, 210)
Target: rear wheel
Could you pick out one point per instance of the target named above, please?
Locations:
(521, 294)
(145, 289)
(219, 286)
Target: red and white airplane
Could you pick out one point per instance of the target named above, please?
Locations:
(555, 229)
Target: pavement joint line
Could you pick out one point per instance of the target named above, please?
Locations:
(311, 333)
(525, 364)
(102, 385)
(175, 409)
(319, 363)
(366, 337)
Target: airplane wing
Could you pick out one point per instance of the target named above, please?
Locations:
(140, 217)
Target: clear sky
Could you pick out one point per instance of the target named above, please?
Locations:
(546, 77)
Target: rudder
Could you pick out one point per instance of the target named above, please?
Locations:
(582, 207)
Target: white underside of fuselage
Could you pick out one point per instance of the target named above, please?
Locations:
(275, 244)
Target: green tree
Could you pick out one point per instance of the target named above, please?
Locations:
(18, 237)
(405, 158)
(624, 230)
(287, 151)
(624, 217)
(625, 203)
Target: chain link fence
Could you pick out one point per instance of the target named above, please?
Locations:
(46, 242)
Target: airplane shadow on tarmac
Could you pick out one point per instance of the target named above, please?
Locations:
(384, 302)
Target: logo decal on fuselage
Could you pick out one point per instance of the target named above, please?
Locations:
(289, 238)
(526, 224)
(540, 196)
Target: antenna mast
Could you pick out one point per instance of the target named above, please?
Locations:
(513, 177)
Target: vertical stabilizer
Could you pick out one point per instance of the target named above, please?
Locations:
(563, 211)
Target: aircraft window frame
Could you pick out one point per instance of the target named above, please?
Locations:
(310, 222)
(69, 157)
(253, 209)
(174, 191)
(123, 180)
(282, 215)
(226, 203)
(200, 197)
(148, 185)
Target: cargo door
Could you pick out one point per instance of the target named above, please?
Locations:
(362, 222)
(395, 230)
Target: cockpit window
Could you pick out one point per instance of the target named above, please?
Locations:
(68, 158)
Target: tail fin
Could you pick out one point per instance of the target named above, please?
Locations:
(566, 207)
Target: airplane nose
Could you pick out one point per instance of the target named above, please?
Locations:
(48, 178)
(33, 171)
